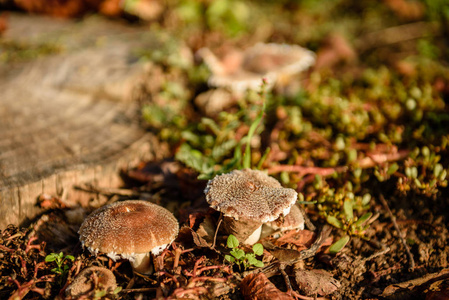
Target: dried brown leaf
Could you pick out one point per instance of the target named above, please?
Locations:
(258, 287)
(204, 235)
(300, 238)
(316, 282)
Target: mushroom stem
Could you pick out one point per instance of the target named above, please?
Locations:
(254, 237)
(246, 231)
(211, 60)
(142, 264)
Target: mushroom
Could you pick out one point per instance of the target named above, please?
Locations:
(241, 71)
(247, 198)
(293, 220)
(85, 283)
(131, 230)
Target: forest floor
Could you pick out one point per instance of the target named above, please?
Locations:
(362, 136)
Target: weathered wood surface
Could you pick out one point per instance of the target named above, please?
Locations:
(67, 118)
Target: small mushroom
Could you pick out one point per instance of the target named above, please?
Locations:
(247, 198)
(84, 283)
(281, 59)
(241, 71)
(131, 230)
(293, 220)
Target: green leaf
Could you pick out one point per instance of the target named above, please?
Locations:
(366, 199)
(347, 208)
(258, 264)
(238, 253)
(339, 245)
(251, 258)
(392, 168)
(70, 257)
(363, 219)
(263, 158)
(252, 129)
(306, 202)
(218, 152)
(212, 125)
(232, 242)
(50, 257)
(100, 294)
(229, 258)
(258, 249)
(117, 290)
(194, 159)
(334, 222)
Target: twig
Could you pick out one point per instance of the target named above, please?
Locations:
(377, 254)
(415, 285)
(316, 245)
(298, 256)
(307, 221)
(306, 170)
(404, 243)
(370, 161)
(140, 290)
(216, 231)
(6, 249)
(106, 191)
(394, 35)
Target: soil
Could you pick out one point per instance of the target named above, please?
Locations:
(374, 268)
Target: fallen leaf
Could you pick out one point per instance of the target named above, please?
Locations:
(204, 235)
(286, 256)
(300, 238)
(195, 218)
(258, 287)
(316, 282)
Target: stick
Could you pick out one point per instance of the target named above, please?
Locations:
(216, 231)
(404, 243)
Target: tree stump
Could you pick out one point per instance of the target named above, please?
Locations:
(66, 116)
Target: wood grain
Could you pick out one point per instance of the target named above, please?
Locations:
(68, 118)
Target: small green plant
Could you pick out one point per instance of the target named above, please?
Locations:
(100, 294)
(239, 256)
(60, 260)
(213, 149)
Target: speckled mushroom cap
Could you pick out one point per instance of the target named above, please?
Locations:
(122, 229)
(249, 194)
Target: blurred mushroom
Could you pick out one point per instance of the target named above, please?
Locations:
(293, 220)
(240, 71)
(130, 230)
(90, 280)
(214, 101)
(247, 198)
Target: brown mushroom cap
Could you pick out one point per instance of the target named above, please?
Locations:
(122, 229)
(293, 220)
(281, 59)
(262, 61)
(83, 283)
(250, 195)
